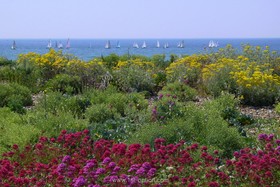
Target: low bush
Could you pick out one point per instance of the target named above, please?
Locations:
(133, 79)
(65, 84)
(99, 113)
(277, 108)
(13, 130)
(203, 125)
(15, 96)
(165, 107)
(50, 124)
(179, 90)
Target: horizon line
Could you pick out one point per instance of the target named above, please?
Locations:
(195, 38)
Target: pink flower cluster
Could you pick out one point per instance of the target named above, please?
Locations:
(74, 159)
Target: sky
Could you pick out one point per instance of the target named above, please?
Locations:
(106, 19)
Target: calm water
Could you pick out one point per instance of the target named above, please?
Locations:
(87, 49)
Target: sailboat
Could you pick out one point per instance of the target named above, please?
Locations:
(158, 45)
(135, 45)
(144, 45)
(108, 45)
(49, 44)
(118, 45)
(14, 45)
(166, 45)
(181, 44)
(67, 44)
(216, 44)
(60, 45)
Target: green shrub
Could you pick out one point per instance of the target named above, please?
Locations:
(56, 102)
(166, 107)
(180, 91)
(13, 130)
(277, 108)
(65, 83)
(15, 96)
(159, 61)
(118, 130)
(4, 61)
(220, 81)
(133, 79)
(203, 125)
(123, 104)
(99, 113)
(51, 125)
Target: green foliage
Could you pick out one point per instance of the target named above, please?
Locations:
(111, 60)
(56, 102)
(99, 113)
(166, 107)
(4, 61)
(51, 124)
(112, 104)
(133, 79)
(173, 58)
(15, 96)
(203, 125)
(159, 61)
(13, 130)
(179, 90)
(119, 130)
(277, 108)
(220, 82)
(65, 83)
(160, 79)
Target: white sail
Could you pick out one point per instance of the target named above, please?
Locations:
(166, 45)
(144, 45)
(212, 44)
(14, 45)
(118, 45)
(60, 45)
(49, 44)
(216, 44)
(135, 45)
(108, 45)
(158, 44)
(181, 44)
(67, 46)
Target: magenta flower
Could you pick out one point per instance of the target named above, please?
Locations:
(151, 172)
(141, 171)
(262, 136)
(106, 160)
(100, 171)
(66, 159)
(146, 165)
(61, 167)
(80, 181)
(112, 165)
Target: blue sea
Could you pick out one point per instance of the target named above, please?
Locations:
(87, 49)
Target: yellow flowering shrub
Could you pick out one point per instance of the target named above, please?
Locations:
(258, 84)
(52, 59)
(135, 62)
(187, 69)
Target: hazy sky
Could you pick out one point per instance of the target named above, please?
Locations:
(139, 18)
